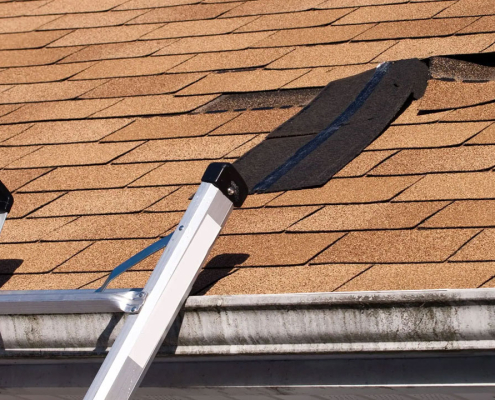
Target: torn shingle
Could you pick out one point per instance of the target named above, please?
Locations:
(342, 120)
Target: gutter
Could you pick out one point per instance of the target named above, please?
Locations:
(425, 345)
(310, 323)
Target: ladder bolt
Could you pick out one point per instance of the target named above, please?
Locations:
(231, 191)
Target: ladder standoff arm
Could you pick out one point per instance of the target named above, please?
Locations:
(170, 283)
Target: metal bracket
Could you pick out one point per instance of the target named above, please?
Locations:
(135, 259)
(71, 301)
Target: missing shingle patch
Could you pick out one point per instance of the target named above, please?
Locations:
(468, 68)
(261, 100)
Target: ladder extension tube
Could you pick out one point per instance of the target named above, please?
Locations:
(221, 189)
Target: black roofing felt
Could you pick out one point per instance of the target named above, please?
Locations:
(307, 150)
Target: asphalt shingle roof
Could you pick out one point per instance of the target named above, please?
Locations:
(107, 124)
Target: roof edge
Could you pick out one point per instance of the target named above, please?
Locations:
(306, 323)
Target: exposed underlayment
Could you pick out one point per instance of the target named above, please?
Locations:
(111, 110)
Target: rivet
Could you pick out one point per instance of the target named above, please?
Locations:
(181, 227)
(134, 309)
(231, 191)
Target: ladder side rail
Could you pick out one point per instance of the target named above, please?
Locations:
(167, 290)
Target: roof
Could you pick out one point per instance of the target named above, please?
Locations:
(110, 111)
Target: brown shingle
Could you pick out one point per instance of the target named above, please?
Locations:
(231, 60)
(357, 3)
(37, 257)
(294, 20)
(13, 9)
(168, 127)
(415, 29)
(256, 121)
(25, 58)
(487, 136)
(397, 246)
(111, 201)
(245, 81)
(25, 24)
(139, 4)
(29, 40)
(91, 177)
(441, 95)
(422, 48)
(479, 249)
(241, 150)
(368, 216)
(426, 135)
(115, 226)
(49, 111)
(394, 12)
(9, 155)
(410, 115)
(110, 51)
(271, 7)
(8, 108)
(185, 13)
(268, 249)
(259, 200)
(7, 131)
(301, 279)
(113, 34)
(452, 159)
(422, 277)
(14, 179)
(71, 6)
(198, 28)
(26, 203)
(67, 132)
(476, 185)
(30, 230)
(318, 35)
(153, 105)
(92, 20)
(467, 7)
(266, 220)
(73, 154)
(485, 24)
(363, 163)
(213, 43)
(131, 67)
(316, 77)
(105, 255)
(199, 148)
(48, 73)
(334, 54)
(129, 279)
(174, 173)
(348, 190)
(49, 281)
(52, 91)
(142, 85)
(485, 112)
(471, 213)
(177, 201)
